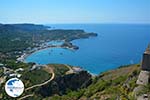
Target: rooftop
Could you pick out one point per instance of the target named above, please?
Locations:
(1, 64)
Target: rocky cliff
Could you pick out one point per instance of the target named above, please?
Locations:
(61, 85)
(143, 81)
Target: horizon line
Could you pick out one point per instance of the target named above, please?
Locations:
(75, 23)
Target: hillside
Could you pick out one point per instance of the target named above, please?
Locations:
(112, 85)
(44, 80)
(63, 82)
(15, 37)
(69, 85)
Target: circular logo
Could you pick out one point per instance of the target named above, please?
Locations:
(14, 87)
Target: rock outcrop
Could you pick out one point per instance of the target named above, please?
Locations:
(70, 82)
(144, 76)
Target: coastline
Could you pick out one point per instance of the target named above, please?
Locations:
(36, 49)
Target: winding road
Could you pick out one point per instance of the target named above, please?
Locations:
(39, 85)
(70, 69)
(46, 82)
(30, 95)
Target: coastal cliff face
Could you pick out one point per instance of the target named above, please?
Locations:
(63, 84)
(111, 85)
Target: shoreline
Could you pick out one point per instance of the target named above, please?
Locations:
(28, 53)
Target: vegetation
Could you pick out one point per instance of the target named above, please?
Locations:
(1, 71)
(14, 65)
(59, 69)
(145, 90)
(110, 85)
(35, 77)
(16, 37)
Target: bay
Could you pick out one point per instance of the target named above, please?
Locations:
(116, 45)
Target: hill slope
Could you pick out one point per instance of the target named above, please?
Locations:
(111, 85)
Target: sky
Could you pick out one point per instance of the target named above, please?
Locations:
(74, 11)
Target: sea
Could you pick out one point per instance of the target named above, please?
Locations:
(116, 45)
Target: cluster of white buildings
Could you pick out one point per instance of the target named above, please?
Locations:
(7, 73)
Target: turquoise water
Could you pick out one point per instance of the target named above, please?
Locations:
(116, 45)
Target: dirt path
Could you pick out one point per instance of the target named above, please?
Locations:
(39, 85)
(70, 69)
(30, 95)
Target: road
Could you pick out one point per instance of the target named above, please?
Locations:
(39, 85)
(46, 82)
(30, 95)
(70, 69)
